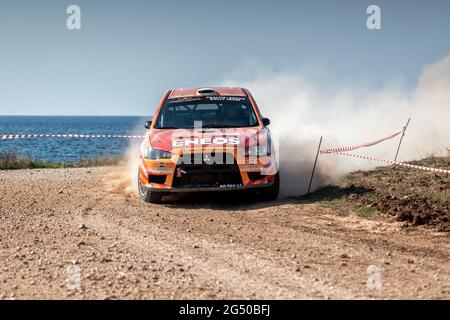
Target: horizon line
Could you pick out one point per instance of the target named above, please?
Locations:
(71, 115)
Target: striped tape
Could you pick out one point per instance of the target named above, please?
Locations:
(76, 136)
(369, 144)
(407, 165)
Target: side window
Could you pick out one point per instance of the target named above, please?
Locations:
(250, 114)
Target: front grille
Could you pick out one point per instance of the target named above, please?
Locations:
(204, 174)
(255, 175)
(161, 179)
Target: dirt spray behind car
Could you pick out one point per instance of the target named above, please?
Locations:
(122, 178)
(303, 109)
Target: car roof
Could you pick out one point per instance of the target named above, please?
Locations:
(193, 92)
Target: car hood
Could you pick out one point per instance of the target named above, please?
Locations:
(171, 139)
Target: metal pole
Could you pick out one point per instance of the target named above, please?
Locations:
(314, 167)
(401, 138)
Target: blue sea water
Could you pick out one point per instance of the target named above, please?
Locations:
(69, 150)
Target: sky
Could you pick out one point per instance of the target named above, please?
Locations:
(127, 53)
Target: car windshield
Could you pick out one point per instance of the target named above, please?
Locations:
(207, 112)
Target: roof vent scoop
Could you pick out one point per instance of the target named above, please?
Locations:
(206, 91)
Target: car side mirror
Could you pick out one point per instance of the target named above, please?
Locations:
(148, 124)
(265, 121)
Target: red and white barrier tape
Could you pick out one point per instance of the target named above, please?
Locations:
(407, 165)
(341, 150)
(369, 144)
(76, 136)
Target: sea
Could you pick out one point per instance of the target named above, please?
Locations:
(69, 150)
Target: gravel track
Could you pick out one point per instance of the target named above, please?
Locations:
(208, 246)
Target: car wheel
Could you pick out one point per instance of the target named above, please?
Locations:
(147, 195)
(270, 193)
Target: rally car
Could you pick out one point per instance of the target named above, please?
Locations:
(207, 139)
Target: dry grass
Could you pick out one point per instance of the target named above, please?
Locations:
(13, 161)
(99, 162)
(414, 196)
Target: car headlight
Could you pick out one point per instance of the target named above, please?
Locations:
(258, 151)
(154, 154)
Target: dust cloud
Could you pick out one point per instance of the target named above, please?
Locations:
(123, 178)
(301, 110)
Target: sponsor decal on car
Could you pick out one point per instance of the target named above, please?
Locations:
(205, 141)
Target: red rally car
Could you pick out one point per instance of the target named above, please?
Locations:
(207, 139)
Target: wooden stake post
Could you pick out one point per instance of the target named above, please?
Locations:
(401, 138)
(314, 167)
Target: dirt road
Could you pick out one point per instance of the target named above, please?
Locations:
(65, 235)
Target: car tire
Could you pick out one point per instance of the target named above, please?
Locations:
(270, 193)
(147, 195)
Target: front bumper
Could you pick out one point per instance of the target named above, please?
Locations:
(206, 189)
(169, 175)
